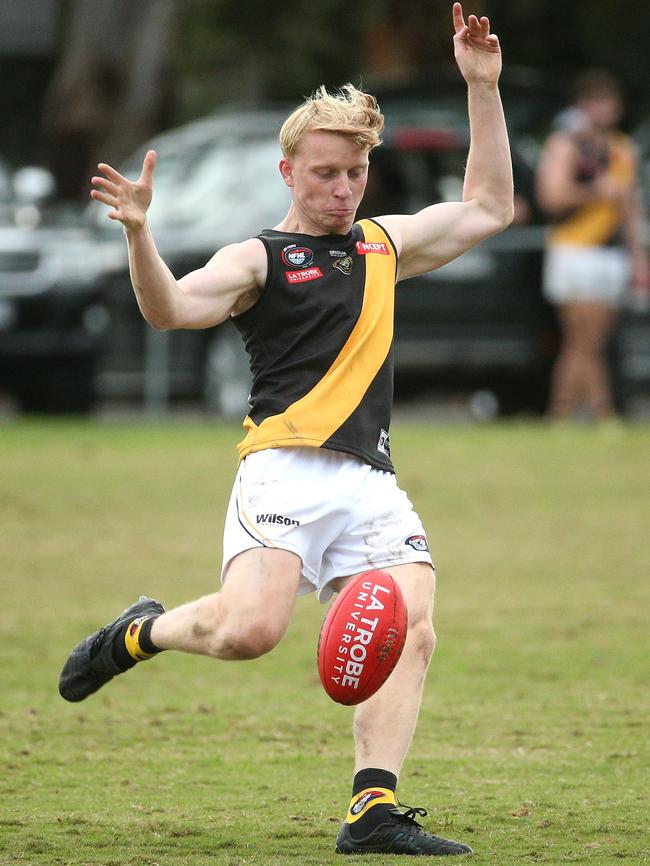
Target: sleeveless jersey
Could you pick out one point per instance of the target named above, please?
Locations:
(598, 222)
(320, 342)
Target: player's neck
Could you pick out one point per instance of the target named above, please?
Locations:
(296, 223)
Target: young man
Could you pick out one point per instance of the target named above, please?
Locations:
(588, 183)
(313, 299)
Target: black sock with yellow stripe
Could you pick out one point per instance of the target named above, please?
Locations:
(373, 795)
(133, 644)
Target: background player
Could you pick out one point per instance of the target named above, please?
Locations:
(596, 248)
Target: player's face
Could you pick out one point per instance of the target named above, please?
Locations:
(327, 176)
(605, 109)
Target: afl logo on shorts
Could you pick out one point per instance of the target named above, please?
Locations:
(417, 542)
(297, 257)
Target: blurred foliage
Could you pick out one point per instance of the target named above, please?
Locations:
(252, 52)
(225, 51)
(228, 51)
(21, 106)
(563, 38)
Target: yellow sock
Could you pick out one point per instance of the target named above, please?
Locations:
(131, 640)
(366, 799)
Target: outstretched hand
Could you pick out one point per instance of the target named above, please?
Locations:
(477, 51)
(130, 200)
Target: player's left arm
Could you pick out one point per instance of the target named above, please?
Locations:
(439, 233)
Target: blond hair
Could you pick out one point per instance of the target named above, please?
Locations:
(349, 112)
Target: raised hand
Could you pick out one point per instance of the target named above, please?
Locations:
(130, 200)
(477, 51)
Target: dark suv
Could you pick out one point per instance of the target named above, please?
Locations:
(52, 317)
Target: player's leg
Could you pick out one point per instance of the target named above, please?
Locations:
(244, 620)
(383, 735)
(567, 380)
(262, 569)
(383, 729)
(597, 323)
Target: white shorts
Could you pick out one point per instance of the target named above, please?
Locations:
(340, 515)
(575, 273)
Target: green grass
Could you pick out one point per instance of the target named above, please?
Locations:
(533, 739)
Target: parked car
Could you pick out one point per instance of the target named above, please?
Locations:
(52, 316)
(631, 344)
(479, 321)
(214, 184)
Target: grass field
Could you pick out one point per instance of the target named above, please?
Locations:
(533, 740)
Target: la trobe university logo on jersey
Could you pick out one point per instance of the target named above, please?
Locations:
(304, 276)
(297, 257)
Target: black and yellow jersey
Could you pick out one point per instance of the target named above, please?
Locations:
(599, 221)
(320, 342)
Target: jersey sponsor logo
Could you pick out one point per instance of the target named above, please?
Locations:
(297, 257)
(363, 247)
(383, 445)
(304, 276)
(417, 542)
(344, 265)
(337, 254)
(362, 802)
(276, 519)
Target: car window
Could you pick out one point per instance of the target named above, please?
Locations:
(227, 187)
(223, 186)
(405, 181)
(5, 184)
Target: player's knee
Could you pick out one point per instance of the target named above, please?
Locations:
(249, 641)
(421, 634)
(422, 637)
(419, 592)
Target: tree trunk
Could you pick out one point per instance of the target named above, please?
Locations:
(112, 87)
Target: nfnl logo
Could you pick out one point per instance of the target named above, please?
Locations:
(363, 248)
(277, 518)
(297, 257)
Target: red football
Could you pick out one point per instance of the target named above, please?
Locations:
(362, 637)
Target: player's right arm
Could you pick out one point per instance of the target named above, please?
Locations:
(229, 283)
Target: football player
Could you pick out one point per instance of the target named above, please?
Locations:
(315, 500)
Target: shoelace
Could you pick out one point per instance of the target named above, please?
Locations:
(97, 640)
(411, 812)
